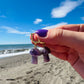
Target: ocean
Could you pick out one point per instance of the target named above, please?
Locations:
(16, 46)
(14, 49)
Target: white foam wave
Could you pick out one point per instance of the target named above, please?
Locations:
(14, 54)
(17, 53)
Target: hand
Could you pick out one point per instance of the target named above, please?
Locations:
(65, 42)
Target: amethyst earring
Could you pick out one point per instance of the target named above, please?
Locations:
(35, 52)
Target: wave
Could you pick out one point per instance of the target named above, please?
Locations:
(12, 51)
(14, 54)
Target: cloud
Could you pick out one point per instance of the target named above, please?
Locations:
(3, 16)
(82, 18)
(54, 26)
(12, 30)
(65, 8)
(37, 21)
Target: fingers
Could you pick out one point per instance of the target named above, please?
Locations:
(57, 48)
(71, 56)
(62, 56)
(81, 28)
(73, 40)
(53, 36)
(59, 51)
(57, 31)
(71, 27)
(34, 39)
(67, 38)
(62, 36)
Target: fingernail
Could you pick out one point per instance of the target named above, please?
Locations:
(42, 32)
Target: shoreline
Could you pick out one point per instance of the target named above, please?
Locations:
(7, 51)
(14, 54)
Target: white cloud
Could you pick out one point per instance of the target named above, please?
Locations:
(37, 21)
(65, 8)
(82, 18)
(3, 16)
(54, 26)
(12, 30)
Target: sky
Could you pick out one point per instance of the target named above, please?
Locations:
(20, 18)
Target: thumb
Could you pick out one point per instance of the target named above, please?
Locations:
(68, 38)
(50, 36)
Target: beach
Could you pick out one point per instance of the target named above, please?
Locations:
(19, 70)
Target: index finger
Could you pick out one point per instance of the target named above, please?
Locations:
(73, 27)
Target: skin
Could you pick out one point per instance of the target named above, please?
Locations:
(67, 43)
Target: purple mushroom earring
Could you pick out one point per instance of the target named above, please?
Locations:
(35, 52)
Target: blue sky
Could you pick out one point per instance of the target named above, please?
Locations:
(19, 18)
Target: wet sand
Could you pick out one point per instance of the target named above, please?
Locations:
(19, 70)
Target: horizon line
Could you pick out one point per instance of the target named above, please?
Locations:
(16, 44)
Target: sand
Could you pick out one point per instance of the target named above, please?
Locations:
(19, 70)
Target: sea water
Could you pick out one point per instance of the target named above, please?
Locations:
(14, 49)
(16, 46)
